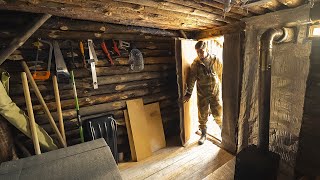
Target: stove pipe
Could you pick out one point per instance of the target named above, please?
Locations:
(268, 37)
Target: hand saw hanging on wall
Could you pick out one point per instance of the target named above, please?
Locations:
(93, 59)
(61, 68)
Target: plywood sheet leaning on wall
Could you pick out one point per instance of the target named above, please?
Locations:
(139, 127)
(156, 138)
(130, 137)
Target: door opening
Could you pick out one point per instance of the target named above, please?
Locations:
(185, 55)
(215, 46)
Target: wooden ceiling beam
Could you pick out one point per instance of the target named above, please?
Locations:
(292, 3)
(180, 8)
(129, 15)
(219, 5)
(65, 24)
(209, 33)
(214, 10)
(239, 9)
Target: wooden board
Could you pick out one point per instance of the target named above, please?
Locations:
(139, 127)
(185, 54)
(157, 138)
(130, 137)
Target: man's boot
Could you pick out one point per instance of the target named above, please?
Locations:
(203, 136)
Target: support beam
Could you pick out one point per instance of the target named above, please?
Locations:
(20, 39)
(220, 31)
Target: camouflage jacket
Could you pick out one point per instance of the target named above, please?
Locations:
(207, 77)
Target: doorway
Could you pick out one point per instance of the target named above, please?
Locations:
(215, 46)
(185, 55)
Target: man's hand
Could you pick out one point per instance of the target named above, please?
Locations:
(186, 98)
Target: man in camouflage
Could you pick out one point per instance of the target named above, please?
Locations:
(206, 69)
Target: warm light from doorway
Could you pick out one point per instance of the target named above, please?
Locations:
(315, 31)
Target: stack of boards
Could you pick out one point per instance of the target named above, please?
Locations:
(145, 129)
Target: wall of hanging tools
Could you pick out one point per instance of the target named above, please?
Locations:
(98, 56)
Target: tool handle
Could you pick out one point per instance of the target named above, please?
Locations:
(43, 104)
(82, 52)
(105, 50)
(41, 75)
(58, 103)
(115, 47)
(32, 122)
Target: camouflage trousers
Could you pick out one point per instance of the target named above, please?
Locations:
(209, 99)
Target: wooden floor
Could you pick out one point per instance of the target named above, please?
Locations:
(192, 162)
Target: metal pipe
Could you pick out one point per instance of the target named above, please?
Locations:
(21, 39)
(267, 40)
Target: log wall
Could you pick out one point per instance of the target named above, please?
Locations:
(156, 83)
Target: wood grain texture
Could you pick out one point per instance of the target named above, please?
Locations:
(175, 162)
(154, 120)
(139, 127)
(130, 136)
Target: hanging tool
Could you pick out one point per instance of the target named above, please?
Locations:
(136, 60)
(43, 75)
(37, 44)
(123, 45)
(82, 52)
(93, 59)
(32, 122)
(115, 47)
(105, 50)
(74, 88)
(75, 94)
(61, 68)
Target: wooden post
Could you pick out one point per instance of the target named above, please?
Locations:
(20, 39)
(58, 103)
(32, 122)
(43, 104)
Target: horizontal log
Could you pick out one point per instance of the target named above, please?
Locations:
(104, 89)
(106, 107)
(14, 66)
(103, 80)
(85, 83)
(109, 71)
(80, 25)
(64, 45)
(31, 55)
(116, 70)
(111, 14)
(62, 35)
(99, 99)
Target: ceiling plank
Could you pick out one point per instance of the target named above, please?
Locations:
(129, 15)
(215, 4)
(292, 3)
(219, 5)
(179, 8)
(209, 33)
(210, 9)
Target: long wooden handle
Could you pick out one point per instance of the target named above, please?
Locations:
(43, 104)
(32, 122)
(58, 103)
